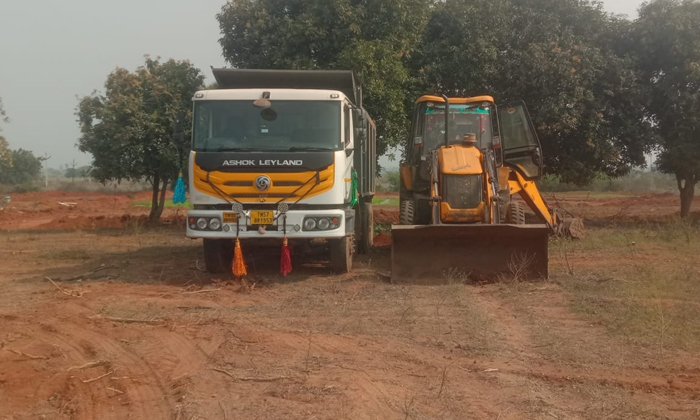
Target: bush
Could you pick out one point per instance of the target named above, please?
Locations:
(389, 181)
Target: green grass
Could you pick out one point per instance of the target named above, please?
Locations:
(169, 203)
(391, 202)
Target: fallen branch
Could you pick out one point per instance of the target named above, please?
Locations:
(224, 410)
(21, 353)
(87, 381)
(246, 379)
(115, 390)
(240, 339)
(128, 320)
(72, 293)
(86, 274)
(200, 291)
(89, 365)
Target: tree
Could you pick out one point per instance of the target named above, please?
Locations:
(24, 168)
(375, 38)
(668, 32)
(566, 59)
(5, 153)
(128, 130)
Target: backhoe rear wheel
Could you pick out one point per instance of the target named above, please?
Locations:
(218, 255)
(516, 214)
(407, 212)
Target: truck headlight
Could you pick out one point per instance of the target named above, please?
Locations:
(309, 224)
(202, 223)
(214, 224)
(324, 224)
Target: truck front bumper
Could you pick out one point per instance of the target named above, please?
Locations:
(292, 220)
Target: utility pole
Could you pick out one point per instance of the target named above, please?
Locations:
(46, 170)
(73, 164)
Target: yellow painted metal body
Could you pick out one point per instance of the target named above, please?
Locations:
(464, 159)
(455, 101)
(288, 185)
(531, 195)
(405, 172)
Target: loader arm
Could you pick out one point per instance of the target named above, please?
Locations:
(531, 195)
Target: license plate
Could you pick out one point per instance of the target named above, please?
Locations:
(262, 217)
(230, 217)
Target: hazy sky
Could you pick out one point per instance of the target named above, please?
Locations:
(52, 51)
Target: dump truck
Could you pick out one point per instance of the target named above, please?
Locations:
(281, 155)
(465, 162)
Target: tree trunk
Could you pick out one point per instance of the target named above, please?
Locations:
(155, 215)
(686, 186)
(161, 203)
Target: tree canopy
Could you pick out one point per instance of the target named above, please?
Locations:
(568, 60)
(375, 38)
(565, 59)
(128, 130)
(668, 35)
(5, 153)
(24, 168)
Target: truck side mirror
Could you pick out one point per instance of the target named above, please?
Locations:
(179, 129)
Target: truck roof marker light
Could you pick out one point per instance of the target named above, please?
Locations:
(198, 95)
(263, 102)
(335, 96)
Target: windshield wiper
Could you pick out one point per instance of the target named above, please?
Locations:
(310, 149)
(239, 149)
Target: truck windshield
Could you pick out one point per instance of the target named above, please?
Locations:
(463, 119)
(286, 125)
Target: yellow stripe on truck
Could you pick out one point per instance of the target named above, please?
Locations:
(241, 184)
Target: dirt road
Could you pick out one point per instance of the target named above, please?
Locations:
(131, 328)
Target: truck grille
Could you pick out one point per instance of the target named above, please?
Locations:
(462, 191)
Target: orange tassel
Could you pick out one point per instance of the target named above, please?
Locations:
(239, 268)
(286, 260)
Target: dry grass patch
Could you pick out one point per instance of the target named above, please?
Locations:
(442, 316)
(652, 297)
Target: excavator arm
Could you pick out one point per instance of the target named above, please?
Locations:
(570, 227)
(531, 195)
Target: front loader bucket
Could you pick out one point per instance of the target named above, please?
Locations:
(447, 253)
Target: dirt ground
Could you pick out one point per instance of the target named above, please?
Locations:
(129, 327)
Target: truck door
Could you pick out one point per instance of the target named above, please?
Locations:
(521, 147)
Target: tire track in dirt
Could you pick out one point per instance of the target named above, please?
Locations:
(145, 394)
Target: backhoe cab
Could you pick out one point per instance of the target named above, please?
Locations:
(465, 159)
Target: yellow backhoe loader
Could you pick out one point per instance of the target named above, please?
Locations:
(466, 161)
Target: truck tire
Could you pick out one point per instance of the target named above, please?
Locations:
(341, 255)
(364, 230)
(368, 227)
(218, 255)
(516, 214)
(407, 212)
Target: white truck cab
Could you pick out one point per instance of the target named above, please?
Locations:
(281, 153)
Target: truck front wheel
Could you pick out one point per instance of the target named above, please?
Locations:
(341, 254)
(218, 255)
